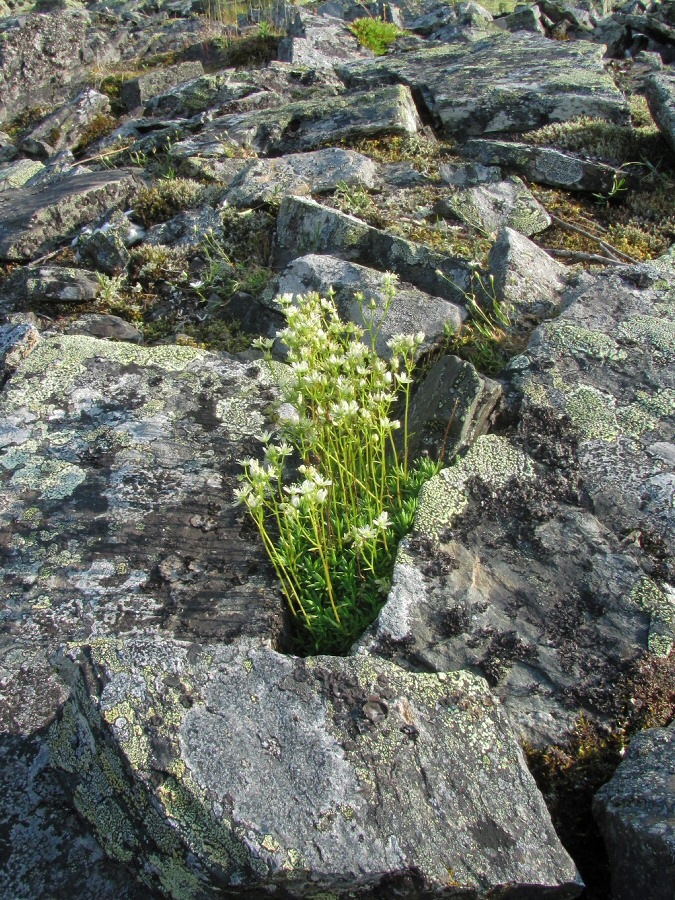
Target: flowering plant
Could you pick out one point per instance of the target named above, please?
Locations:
(332, 533)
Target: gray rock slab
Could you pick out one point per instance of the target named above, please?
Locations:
(544, 559)
(636, 814)
(187, 229)
(196, 95)
(489, 207)
(526, 279)
(64, 127)
(451, 408)
(500, 83)
(33, 221)
(544, 165)
(660, 92)
(106, 327)
(523, 18)
(238, 767)
(117, 465)
(305, 227)
(317, 172)
(410, 311)
(463, 175)
(137, 91)
(308, 124)
(319, 42)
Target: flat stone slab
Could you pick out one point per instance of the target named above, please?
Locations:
(544, 165)
(500, 83)
(410, 311)
(489, 207)
(636, 814)
(236, 767)
(306, 227)
(320, 171)
(34, 221)
(307, 124)
(137, 91)
(660, 93)
(544, 560)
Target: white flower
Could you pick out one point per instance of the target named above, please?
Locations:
(382, 521)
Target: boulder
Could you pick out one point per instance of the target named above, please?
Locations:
(318, 42)
(308, 124)
(137, 91)
(525, 17)
(33, 221)
(451, 408)
(410, 311)
(304, 226)
(317, 172)
(188, 228)
(526, 279)
(461, 175)
(491, 206)
(543, 559)
(500, 83)
(117, 469)
(636, 814)
(660, 91)
(235, 769)
(106, 327)
(17, 341)
(58, 284)
(544, 165)
(63, 128)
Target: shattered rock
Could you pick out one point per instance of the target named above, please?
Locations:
(489, 207)
(139, 90)
(410, 311)
(300, 174)
(319, 42)
(64, 128)
(660, 90)
(304, 226)
(235, 766)
(500, 83)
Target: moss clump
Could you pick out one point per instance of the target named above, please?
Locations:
(375, 34)
(100, 126)
(618, 144)
(167, 198)
(218, 334)
(26, 119)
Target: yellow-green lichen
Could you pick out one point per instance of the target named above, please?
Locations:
(493, 459)
(576, 340)
(238, 416)
(659, 332)
(54, 479)
(647, 596)
(592, 414)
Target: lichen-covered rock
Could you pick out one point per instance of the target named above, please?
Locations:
(40, 58)
(308, 124)
(117, 470)
(525, 17)
(305, 227)
(660, 91)
(489, 207)
(16, 174)
(636, 814)
(64, 127)
(17, 341)
(242, 771)
(526, 279)
(451, 408)
(500, 83)
(35, 220)
(410, 311)
(137, 91)
(544, 165)
(544, 560)
(58, 284)
(317, 172)
(461, 175)
(319, 42)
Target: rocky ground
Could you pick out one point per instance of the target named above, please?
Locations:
(166, 169)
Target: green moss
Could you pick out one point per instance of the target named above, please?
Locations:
(100, 126)
(166, 199)
(375, 34)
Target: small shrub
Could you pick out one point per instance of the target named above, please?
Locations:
(375, 34)
(166, 198)
(332, 533)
